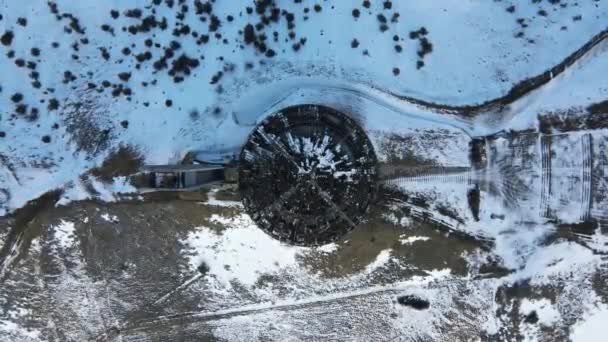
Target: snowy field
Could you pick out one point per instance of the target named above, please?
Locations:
(88, 82)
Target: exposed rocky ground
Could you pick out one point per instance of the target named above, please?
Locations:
(175, 269)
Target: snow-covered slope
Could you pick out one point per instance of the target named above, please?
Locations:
(84, 77)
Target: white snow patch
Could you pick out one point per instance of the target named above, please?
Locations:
(328, 248)
(64, 234)
(411, 239)
(517, 246)
(14, 331)
(547, 313)
(74, 192)
(242, 252)
(110, 218)
(122, 185)
(108, 192)
(593, 327)
(557, 259)
(213, 201)
(381, 259)
(399, 221)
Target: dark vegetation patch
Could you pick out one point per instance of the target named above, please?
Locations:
(413, 301)
(449, 212)
(574, 120)
(20, 236)
(256, 34)
(217, 77)
(531, 318)
(7, 38)
(194, 115)
(87, 124)
(53, 104)
(143, 57)
(474, 200)
(183, 65)
(17, 97)
(425, 46)
(493, 267)
(203, 268)
(477, 154)
(579, 233)
(104, 53)
(73, 23)
(124, 161)
(203, 7)
(132, 13)
(124, 76)
(598, 108)
(21, 109)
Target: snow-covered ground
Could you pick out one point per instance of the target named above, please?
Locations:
(83, 78)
